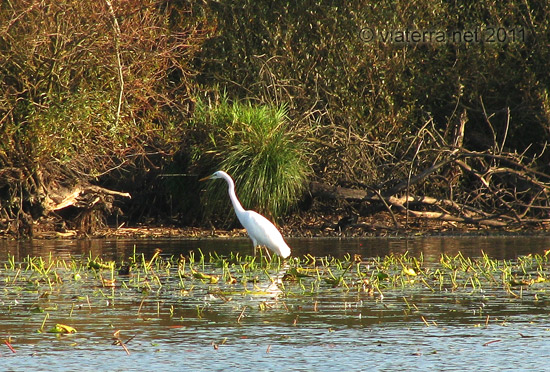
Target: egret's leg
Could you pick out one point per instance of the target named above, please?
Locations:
(256, 247)
(255, 244)
(267, 253)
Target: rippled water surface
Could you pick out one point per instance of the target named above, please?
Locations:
(180, 323)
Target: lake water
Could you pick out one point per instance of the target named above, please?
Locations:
(329, 330)
(499, 247)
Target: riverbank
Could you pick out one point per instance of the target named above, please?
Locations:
(381, 224)
(289, 104)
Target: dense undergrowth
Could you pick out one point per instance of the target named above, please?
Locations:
(122, 93)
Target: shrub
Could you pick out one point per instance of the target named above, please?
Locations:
(257, 147)
(88, 90)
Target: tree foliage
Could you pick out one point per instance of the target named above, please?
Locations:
(106, 91)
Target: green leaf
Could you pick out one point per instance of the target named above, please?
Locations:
(62, 328)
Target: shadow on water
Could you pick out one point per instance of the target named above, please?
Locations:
(498, 247)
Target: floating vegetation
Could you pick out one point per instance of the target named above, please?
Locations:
(92, 295)
(244, 275)
(62, 328)
(390, 273)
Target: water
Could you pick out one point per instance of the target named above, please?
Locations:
(329, 330)
(499, 247)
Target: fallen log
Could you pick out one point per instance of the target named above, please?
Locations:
(82, 207)
(81, 197)
(443, 216)
(495, 188)
(464, 214)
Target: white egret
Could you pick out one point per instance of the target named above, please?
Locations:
(259, 229)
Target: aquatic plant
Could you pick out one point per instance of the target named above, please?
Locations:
(199, 288)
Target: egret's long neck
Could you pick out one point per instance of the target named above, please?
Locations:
(231, 190)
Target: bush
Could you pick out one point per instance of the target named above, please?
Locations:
(257, 147)
(88, 90)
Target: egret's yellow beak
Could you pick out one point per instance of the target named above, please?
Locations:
(204, 178)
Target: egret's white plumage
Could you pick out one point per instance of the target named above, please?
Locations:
(260, 229)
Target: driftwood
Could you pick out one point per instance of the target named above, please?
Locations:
(84, 207)
(84, 197)
(72, 208)
(509, 193)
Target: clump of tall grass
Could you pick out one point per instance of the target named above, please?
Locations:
(256, 145)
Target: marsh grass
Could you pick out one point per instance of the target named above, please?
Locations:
(389, 273)
(257, 146)
(199, 285)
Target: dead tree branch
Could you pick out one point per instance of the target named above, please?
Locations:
(505, 191)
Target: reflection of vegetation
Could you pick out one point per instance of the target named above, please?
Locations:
(255, 145)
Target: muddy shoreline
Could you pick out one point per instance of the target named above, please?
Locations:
(378, 225)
